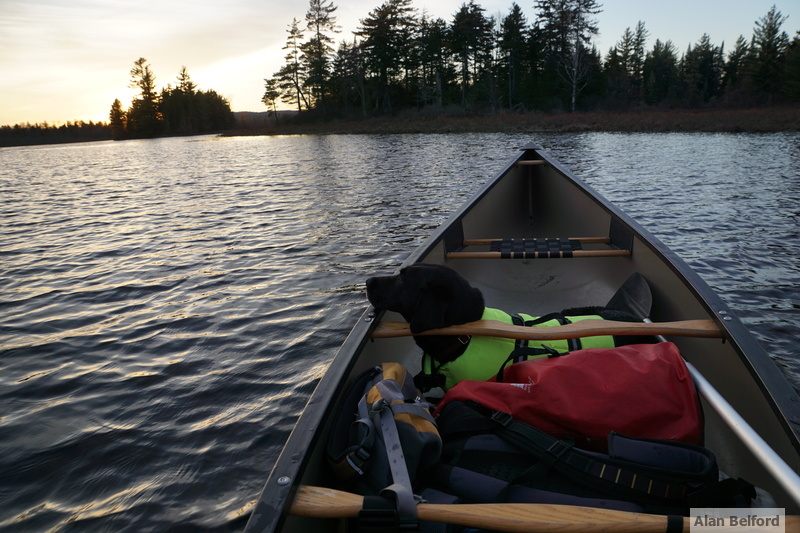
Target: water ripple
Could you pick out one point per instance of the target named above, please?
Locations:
(169, 305)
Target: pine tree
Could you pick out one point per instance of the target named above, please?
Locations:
(792, 84)
(144, 119)
(291, 78)
(387, 35)
(661, 81)
(701, 70)
(185, 83)
(435, 69)
(116, 120)
(318, 49)
(568, 26)
(767, 53)
(513, 46)
(271, 94)
(735, 68)
(470, 32)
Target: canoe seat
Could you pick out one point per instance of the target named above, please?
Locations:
(537, 248)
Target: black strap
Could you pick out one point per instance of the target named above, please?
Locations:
(591, 470)
(379, 514)
(523, 354)
(425, 382)
(674, 524)
(517, 320)
(573, 344)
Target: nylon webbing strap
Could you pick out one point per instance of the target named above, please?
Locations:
(518, 321)
(569, 461)
(535, 248)
(401, 482)
(572, 344)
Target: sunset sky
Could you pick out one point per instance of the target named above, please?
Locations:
(66, 60)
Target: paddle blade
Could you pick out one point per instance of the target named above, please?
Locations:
(633, 297)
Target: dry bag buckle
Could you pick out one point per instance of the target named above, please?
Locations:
(504, 419)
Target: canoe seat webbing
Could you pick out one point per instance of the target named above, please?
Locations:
(539, 248)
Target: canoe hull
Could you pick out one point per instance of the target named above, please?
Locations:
(534, 196)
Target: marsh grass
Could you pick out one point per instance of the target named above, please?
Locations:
(762, 120)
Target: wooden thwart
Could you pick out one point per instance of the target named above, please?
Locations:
(582, 328)
(528, 163)
(320, 502)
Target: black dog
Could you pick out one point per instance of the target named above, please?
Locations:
(429, 297)
(435, 296)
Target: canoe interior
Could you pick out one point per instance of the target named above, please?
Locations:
(546, 201)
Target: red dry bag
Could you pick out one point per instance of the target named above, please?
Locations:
(642, 390)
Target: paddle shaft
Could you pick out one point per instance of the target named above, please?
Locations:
(582, 328)
(322, 502)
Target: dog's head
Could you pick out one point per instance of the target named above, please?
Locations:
(428, 296)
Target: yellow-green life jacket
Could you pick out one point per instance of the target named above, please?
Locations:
(485, 355)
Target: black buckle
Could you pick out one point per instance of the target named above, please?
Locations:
(504, 419)
(379, 515)
(559, 448)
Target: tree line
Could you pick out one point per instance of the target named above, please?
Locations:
(179, 110)
(399, 59)
(44, 133)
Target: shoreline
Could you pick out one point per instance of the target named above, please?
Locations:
(759, 120)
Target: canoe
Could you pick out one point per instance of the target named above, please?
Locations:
(751, 412)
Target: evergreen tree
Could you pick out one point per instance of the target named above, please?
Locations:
(185, 83)
(271, 94)
(702, 72)
(625, 66)
(537, 86)
(436, 71)
(387, 35)
(513, 46)
(469, 34)
(179, 108)
(767, 53)
(735, 66)
(291, 78)
(637, 60)
(116, 120)
(144, 119)
(349, 77)
(792, 83)
(317, 51)
(618, 62)
(568, 27)
(661, 80)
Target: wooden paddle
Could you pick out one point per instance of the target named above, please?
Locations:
(320, 502)
(583, 328)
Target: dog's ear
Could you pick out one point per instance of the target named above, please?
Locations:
(430, 311)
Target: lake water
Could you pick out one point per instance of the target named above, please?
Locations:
(167, 306)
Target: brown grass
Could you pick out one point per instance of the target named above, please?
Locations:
(717, 120)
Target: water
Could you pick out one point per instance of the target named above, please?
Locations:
(167, 306)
